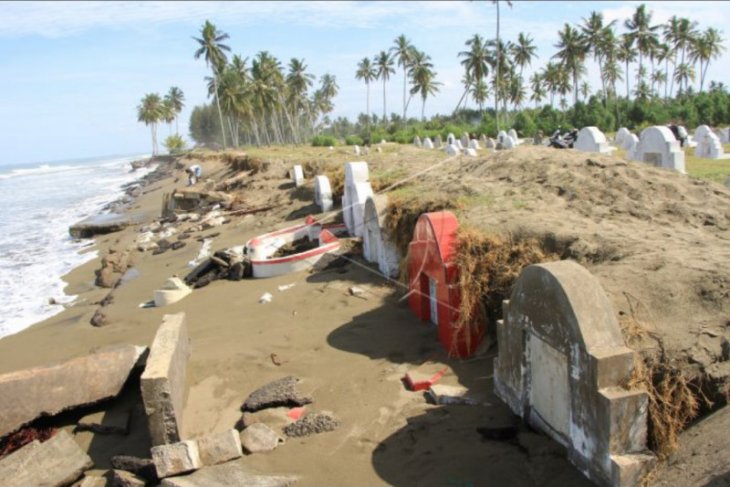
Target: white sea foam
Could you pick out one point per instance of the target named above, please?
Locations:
(38, 205)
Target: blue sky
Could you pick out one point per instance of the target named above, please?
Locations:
(73, 73)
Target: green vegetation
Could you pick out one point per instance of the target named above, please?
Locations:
(324, 141)
(174, 144)
(153, 109)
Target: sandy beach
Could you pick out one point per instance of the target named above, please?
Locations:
(351, 351)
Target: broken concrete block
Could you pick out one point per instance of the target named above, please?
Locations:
(48, 390)
(113, 422)
(99, 225)
(312, 423)
(219, 447)
(226, 475)
(176, 458)
(163, 380)
(452, 396)
(259, 438)
(122, 478)
(141, 467)
(56, 462)
(282, 392)
(171, 292)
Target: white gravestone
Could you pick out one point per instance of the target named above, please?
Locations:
(298, 175)
(474, 144)
(417, 141)
(357, 189)
(323, 193)
(452, 150)
(708, 143)
(657, 146)
(590, 139)
(427, 144)
(378, 244)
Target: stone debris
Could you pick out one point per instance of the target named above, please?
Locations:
(112, 422)
(99, 225)
(312, 423)
(282, 392)
(219, 447)
(141, 467)
(99, 319)
(48, 390)
(176, 458)
(163, 380)
(451, 396)
(57, 462)
(227, 475)
(356, 291)
(259, 438)
(122, 478)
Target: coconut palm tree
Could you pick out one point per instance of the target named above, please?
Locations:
(167, 113)
(499, 60)
(707, 46)
(571, 53)
(523, 51)
(612, 73)
(595, 34)
(212, 48)
(384, 66)
(367, 73)
(627, 54)
(683, 75)
(538, 89)
(298, 82)
(403, 53)
(642, 32)
(176, 99)
(680, 33)
(480, 92)
(475, 61)
(423, 78)
(150, 111)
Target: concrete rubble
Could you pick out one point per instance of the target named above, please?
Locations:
(48, 390)
(57, 462)
(122, 478)
(176, 458)
(99, 225)
(312, 423)
(163, 380)
(110, 422)
(259, 438)
(227, 475)
(220, 447)
(282, 392)
(141, 467)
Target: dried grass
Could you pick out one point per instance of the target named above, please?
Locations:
(488, 267)
(403, 212)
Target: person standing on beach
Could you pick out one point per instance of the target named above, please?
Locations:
(194, 173)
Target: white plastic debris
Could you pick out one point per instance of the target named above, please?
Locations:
(286, 286)
(265, 298)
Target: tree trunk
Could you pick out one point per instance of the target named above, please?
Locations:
(628, 95)
(152, 136)
(384, 118)
(405, 79)
(498, 78)
(218, 104)
(367, 105)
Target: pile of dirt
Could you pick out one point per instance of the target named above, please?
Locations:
(296, 247)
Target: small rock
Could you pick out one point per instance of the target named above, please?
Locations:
(52, 301)
(105, 278)
(259, 438)
(219, 447)
(312, 423)
(282, 392)
(356, 291)
(99, 319)
(122, 478)
(91, 481)
(176, 458)
(177, 245)
(141, 467)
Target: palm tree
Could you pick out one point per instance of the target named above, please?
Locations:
(475, 61)
(367, 72)
(516, 90)
(536, 85)
(683, 75)
(298, 81)
(423, 78)
(176, 99)
(640, 30)
(571, 53)
(706, 47)
(149, 111)
(681, 33)
(499, 60)
(211, 47)
(585, 90)
(403, 52)
(523, 51)
(167, 113)
(384, 66)
(595, 37)
(480, 92)
(627, 54)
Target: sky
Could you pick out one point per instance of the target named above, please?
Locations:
(73, 73)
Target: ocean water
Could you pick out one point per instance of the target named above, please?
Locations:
(38, 202)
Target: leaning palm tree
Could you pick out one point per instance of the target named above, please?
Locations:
(367, 73)
(403, 53)
(384, 66)
(424, 81)
(167, 113)
(475, 61)
(211, 47)
(149, 111)
(595, 37)
(679, 33)
(627, 54)
(571, 53)
(707, 46)
(177, 100)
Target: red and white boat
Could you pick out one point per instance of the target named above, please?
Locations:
(261, 249)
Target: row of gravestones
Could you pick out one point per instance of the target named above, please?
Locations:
(706, 142)
(548, 370)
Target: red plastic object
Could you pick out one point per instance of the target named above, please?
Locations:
(418, 382)
(296, 413)
(433, 281)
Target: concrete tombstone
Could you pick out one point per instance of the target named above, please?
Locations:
(708, 143)
(323, 193)
(465, 139)
(437, 142)
(590, 139)
(621, 136)
(474, 144)
(658, 146)
(357, 189)
(417, 141)
(513, 133)
(427, 144)
(561, 366)
(378, 244)
(297, 175)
